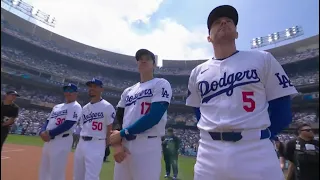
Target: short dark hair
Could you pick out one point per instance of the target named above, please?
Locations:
(170, 130)
(300, 126)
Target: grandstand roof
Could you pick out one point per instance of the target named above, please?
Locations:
(112, 56)
(295, 47)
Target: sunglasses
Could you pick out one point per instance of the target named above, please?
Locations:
(69, 90)
(307, 130)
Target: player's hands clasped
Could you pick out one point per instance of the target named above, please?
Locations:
(45, 136)
(115, 137)
(120, 153)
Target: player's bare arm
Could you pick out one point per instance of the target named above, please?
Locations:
(109, 131)
(117, 125)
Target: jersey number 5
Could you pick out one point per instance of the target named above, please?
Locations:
(145, 107)
(249, 104)
(96, 125)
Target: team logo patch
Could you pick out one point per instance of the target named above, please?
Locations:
(164, 93)
(283, 80)
(226, 84)
(75, 116)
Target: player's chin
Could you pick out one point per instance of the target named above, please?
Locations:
(92, 95)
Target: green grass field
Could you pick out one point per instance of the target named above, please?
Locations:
(185, 163)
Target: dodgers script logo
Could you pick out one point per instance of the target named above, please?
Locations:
(59, 113)
(142, 94)
(92, 116)
(226, 84)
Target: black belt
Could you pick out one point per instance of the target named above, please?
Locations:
(133, 137)
(64, 135)
(235, 136)
(88, 138)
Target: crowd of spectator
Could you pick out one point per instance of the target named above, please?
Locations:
(26, 59)
(85, 56)
(30, 120)
(174, 117)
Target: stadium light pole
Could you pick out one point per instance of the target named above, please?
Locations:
(276, 37)
(30, 11)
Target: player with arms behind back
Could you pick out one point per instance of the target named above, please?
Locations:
(231, 94)
(142, 113)
(96, 123)
(57, 134)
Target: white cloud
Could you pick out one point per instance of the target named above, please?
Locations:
(107, 24)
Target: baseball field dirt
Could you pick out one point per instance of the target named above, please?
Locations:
(22, 162)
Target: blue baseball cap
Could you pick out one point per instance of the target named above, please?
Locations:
(71, 86)
(95, 81)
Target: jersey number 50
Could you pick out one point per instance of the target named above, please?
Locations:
(96, 125)
(249, 104)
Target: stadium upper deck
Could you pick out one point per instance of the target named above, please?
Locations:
(169, 67)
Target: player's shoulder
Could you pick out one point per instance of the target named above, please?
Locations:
(86, 106)
(161, 80)
(128, 89)
(73, 105)
(255, 54)
(200, 67)
(58, 105)
(106, 103)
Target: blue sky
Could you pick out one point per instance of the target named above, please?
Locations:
(173, 29)
(256, 17)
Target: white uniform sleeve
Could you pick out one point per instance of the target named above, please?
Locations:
(193, 98)
(74, 113)
(162, 92)
(110, 115)
(275, 80)
(122, 101)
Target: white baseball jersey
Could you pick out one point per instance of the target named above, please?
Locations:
(233, 93)
(65, 111)
(95, 119)
(137, 99)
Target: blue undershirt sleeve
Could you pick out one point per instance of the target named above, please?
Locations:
(280, 114)
(149, 120)
(44, 126)
(197, 113)
(65, 126)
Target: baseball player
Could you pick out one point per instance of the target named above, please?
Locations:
(231, 94)
(96, 123)
(57, 135)
(142, 115)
